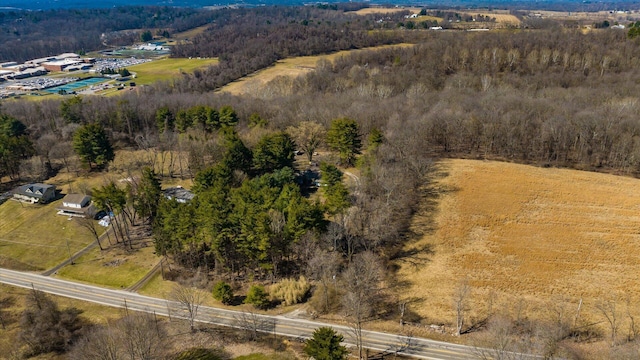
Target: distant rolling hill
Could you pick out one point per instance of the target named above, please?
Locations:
(564, 5)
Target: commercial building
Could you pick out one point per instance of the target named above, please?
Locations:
(60, 65)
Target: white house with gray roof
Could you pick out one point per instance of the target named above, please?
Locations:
(35, 193)
(78, 205)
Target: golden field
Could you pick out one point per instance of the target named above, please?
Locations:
(501, 16)
(526, 235)
(291, 67)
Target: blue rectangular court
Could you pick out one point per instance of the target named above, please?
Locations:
(73, 86)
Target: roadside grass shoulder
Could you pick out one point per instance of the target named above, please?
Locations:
(115, 267)
(162, 288)
(157, 287)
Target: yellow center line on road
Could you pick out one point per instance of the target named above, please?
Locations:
(131, 299)
(299, 328)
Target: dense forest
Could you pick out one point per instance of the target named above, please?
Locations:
(26, 35)
(550, 97)
(555, 97)
(246, 40)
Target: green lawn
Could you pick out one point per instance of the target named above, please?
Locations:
(158, 287)
(166, 69)
(115, 268)
(34, 237)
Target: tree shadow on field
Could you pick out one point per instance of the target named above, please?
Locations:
(415, 256)
(414, 251)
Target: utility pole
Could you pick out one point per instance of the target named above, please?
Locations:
(69, 251)
(68, 247)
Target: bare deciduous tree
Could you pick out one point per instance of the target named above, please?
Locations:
(558, 326)
(5, 302)
(361, 283)
(323, 267)
(101, 343)
(308, 136)
(190, 299)
(253, 324)
(461, 304)
(89, 224)
(136, 336)
(248, 321)
(633, 327)
(141, 336)
(500, 343)
(608, 309)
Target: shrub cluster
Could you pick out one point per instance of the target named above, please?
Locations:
(290, 291)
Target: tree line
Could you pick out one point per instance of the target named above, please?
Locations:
(246, 40)
(26, 35)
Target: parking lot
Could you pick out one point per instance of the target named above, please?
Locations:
(113, 63)
(37, 83)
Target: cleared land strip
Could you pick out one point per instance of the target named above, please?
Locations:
(280, 325)
(290, 68)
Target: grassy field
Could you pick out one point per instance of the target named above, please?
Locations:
(166, 69)
(115, 268)
(189, 34)
(524, 233)
(34, 237)
(502, 17)
(291, 67)
(588, 17)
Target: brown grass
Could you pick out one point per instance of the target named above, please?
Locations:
(189, 34)
(501, 18)
(527, 233)
(291, 67)
(94, 313)
(578, 15)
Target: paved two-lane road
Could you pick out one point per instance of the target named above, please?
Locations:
(280, 325)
